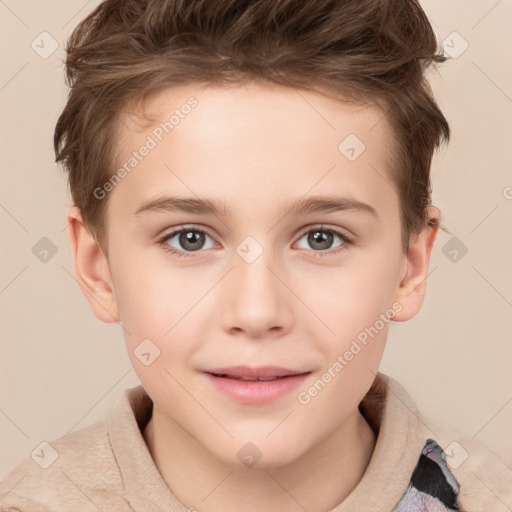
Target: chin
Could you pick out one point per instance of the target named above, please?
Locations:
(263, 456)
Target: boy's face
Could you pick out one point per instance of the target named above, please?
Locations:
(253, 285)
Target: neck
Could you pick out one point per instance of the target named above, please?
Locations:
(332, 468)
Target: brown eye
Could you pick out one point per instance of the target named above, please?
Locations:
(322, 239)
(191, 240)
(187, 240)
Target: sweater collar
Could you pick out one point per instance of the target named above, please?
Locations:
(388, 408)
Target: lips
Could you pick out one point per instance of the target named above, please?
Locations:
(255, 386)
(247, 378)
(262, 373)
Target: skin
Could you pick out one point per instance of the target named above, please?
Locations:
(256, 147)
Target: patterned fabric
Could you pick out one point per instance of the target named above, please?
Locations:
(433, 487)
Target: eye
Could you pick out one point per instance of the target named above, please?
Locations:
(322, 239)
(184, 240)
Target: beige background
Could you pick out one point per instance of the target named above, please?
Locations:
(61, 369)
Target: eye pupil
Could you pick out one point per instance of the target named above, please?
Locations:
(189, 239)
(324, 238)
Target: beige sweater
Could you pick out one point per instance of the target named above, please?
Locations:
(108, 467)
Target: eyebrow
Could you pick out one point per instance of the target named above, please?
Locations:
(312, 204)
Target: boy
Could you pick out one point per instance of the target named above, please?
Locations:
(254, 130)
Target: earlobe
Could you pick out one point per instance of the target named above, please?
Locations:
(91, 269)
(411, 291)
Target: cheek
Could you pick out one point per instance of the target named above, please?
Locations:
(359, 311)
(157, 305)
(154, 297)
(354, 296)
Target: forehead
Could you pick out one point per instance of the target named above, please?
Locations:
(258, 101)
(253, 138)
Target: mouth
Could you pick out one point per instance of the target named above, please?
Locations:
(236, 377)
(261, 373)
(251, 385)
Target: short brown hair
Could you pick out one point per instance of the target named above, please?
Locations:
(367, 51)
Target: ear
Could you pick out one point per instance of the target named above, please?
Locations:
(92, 269)
(411, 291)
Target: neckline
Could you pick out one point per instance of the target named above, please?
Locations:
(387, 407)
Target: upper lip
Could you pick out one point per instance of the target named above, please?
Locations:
(259, 372)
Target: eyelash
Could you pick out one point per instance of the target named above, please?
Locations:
(347, 241)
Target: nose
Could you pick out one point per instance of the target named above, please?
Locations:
(256, 302)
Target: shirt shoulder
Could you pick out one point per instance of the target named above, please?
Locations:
(74, 472)
(483, 481)
(437, 468)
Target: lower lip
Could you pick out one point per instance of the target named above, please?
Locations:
(256, 391)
